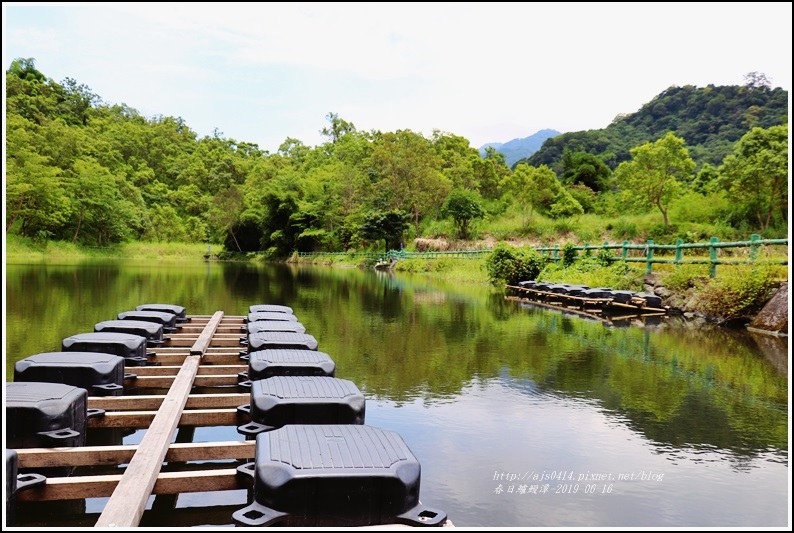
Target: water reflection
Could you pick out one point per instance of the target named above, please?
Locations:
(478, 385)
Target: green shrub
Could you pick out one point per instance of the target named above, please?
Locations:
(623, 230)
(697, 208)
(569, 254)
(604, 257)
(661, 234)
(564, 225)
(508, 264)
(424, 265)
(591, 272)
(739, 290)
(686, 277)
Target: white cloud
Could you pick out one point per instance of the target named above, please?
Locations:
(486, 71)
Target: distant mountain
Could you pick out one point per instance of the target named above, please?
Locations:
(520, 148)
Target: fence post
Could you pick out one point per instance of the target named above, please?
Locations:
(625, 252)
(754, 238)
(679, 252)
(587, 249)
(556, 254)
(649, 257)
(713, 257)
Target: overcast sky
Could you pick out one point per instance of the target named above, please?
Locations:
(490, 72)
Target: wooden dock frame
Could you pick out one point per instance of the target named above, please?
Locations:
(604, 310)
(204, 353)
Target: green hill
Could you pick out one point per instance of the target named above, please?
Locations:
(710, 119)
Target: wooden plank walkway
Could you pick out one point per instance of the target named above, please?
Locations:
(176, 392)
(204, 352)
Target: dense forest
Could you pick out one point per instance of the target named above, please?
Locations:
(94, 173)
(710, 120)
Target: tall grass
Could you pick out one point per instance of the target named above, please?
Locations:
(18, 249)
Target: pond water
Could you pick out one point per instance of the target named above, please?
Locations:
(520, 416)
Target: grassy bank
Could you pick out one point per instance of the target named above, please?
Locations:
(737, 291)
(19, 249)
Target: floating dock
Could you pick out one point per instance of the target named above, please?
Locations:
(613, 308)
(198, 376)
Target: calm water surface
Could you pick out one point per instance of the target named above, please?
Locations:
(519, 416)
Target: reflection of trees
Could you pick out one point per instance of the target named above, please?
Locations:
(677, 387)
(401, 338)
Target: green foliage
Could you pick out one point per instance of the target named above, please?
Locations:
(701, 208)
(604, 257)
(623, 229)
(711, 119)
(738, 291)
(569, 254)
(164, 225)
(533, 189)
(657, 173)
(585, 196)
(586, 170)
(565, 205)
(424, 265)
(661, 234)
(278, 234)
(507, 264)
(591, 271)
(464, 207)
(79, 169)
(705, 179)
(564, 226)
(387, 226)
(686, 277)
(756, 174)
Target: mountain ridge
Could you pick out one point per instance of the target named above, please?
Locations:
(520, 148)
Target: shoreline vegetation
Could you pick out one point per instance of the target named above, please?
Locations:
(733, 298)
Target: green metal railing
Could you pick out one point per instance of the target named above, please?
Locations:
(643, 253)
(649, 250)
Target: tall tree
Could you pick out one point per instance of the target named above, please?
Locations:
(463, 206)
(457, 157)
(756, 173)
(227, 206)
(586, 169)
(409, 175)
(489, 172)
(657, 173)
(385, 225)
(93, 191)
(337, 127)
(35, 196)
(532, 188)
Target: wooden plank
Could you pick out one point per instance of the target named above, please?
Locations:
(213, 356)
(122, 454)
(152, 401)
(127, 503)
(173, 370)
(163, 382)
(145, 419)
(78, 487)
(230, 341)
(205, 338)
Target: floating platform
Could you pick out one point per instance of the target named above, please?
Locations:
(191, 379)
(594, 301)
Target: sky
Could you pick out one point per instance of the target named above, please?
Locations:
(490, 72)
